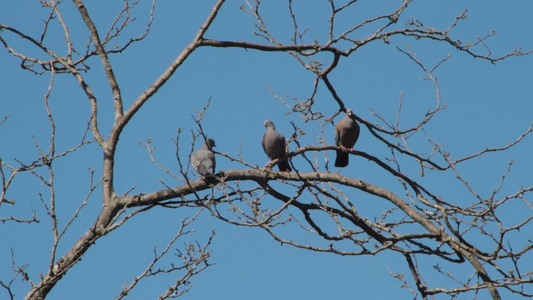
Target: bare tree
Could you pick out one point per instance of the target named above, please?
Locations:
(418, 223)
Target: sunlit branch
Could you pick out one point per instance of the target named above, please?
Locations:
(95, 37)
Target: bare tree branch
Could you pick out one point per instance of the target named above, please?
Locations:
(416, 220)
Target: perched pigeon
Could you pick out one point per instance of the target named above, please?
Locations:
(274, 145)
(203, 160)
(346, 134)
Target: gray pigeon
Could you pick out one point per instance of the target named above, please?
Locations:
(275, 146)
(203, 160)
(346, 134)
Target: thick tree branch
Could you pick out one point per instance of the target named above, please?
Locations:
(265, 175)
(95, 37)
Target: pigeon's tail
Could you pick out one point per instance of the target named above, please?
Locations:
(211, 179)
(342, 159)
(209, 175)
(284, 166)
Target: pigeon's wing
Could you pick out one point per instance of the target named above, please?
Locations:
(275, 147)
(346, 134)
(203, 161)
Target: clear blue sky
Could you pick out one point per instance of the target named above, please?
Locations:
(488, 105)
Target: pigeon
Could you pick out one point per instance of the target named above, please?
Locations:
(274, 146)
(346, 134)
(203, 160)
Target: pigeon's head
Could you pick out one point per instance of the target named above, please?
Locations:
(210, 143)
(269, 124)
(350, 114)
